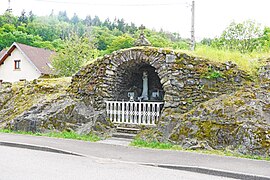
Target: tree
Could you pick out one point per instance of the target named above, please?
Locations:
(96, 21)
(101, 37)
(31, 16)
(46, 27)
(88, 20)
(62, 16)
(76, 52)
(121, 25)
(52, 13)
(23, 19)
(132, 28)
(265, 39)
(75, 19)
(7, 38)
(8, 18)
(243, 37)
(8, 28)
(107, 23)
(206, 41)
(121, 42)
(51, 31)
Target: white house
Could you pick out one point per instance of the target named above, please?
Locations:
(23, 62)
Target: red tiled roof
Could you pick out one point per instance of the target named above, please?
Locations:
(39, 57)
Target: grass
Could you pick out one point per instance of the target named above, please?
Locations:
(154, 145)
(248, 62)
(169, 146)
(64, 135)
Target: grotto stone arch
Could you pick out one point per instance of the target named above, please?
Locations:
(184, 79)
(102, 77)
(128, 78)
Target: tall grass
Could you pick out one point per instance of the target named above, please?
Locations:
(247, 62)
(64, 134)
(168, 146)
(155, 145)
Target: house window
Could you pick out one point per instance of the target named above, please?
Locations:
(17, 64)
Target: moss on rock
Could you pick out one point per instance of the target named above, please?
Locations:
(237, 121)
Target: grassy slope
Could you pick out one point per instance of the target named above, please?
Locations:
(169, 146)
(247, 62)
(64, 135)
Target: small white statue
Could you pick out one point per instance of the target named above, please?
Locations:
(144, 95)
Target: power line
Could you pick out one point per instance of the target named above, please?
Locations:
(110, 4)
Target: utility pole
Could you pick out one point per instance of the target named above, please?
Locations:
(192, 46)
(9, 7)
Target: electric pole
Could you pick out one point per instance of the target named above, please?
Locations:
(192, 47)
(9, 7)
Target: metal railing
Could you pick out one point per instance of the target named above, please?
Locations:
(139, 113)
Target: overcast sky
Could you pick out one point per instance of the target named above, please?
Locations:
(211, 16)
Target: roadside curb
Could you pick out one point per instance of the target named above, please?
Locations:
(210, 171)
(38, 148)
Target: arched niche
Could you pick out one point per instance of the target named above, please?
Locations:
(129, 81)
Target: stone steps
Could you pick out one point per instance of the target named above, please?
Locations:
(116, 141)
(128, 130)
(123, 135)
(125, 132)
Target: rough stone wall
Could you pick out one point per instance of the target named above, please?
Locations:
(264, 74)
(186, 80)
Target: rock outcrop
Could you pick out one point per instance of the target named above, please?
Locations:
(239, 121)
(44, 105)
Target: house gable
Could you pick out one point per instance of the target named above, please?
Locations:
(17, 67)
(16, 62)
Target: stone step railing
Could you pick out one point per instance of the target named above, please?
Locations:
(139, 113)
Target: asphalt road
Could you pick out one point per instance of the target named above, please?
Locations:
(26, 164)
(194, 162)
